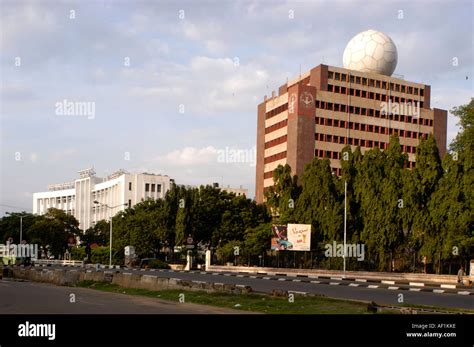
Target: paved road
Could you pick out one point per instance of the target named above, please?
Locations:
(31, 297)
(337, 288)
(332, 287)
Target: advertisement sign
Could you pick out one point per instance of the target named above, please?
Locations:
(299, 236)
(280, 239)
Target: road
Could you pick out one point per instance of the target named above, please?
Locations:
(337, 288)
(330, 287)
(34, 298)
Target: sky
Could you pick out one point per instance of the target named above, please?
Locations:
(175, 83)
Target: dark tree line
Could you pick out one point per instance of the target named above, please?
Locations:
(426, 212)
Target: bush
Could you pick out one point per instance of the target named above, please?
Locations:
(98, 255)
(157, 264)
(226, 253)
(78, 253)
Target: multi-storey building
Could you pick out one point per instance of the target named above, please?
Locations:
(327, 108)
(90, 198)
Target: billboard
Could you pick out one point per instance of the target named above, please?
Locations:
(299, 236)
(280, 239)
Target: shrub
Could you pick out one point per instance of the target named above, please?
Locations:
(157, 264)
(98, 255)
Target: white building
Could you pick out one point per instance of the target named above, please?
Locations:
(119, 191)
(237, 191)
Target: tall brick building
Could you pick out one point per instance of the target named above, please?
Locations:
(328, 107)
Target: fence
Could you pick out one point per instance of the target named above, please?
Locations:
(407, 262)
(59, 262)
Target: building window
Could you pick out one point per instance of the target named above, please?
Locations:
(129, 185)
(147, 187)
(152, 188)
(129, 203)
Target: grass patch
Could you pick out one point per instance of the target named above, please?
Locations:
(261, 303)
(244, 302)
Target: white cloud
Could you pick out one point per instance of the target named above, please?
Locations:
(190, 156)
(206, 86)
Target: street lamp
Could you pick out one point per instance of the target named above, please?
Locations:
(21, 223)
(345, 224)
(110, 243)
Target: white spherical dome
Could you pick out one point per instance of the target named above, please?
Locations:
(371, 51)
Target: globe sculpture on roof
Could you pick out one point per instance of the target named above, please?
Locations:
(371, 51)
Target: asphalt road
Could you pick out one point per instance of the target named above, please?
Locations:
(331, 288)
(35, 298)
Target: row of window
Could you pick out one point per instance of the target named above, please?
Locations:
(370, 95)
(152, 185)
(57, 201)
(276, 126)
(101, 193)
(276, 111)
(337, 155)
(360, 142)
(377, 129)
(369, 82)
(268, 174)
(274, 157)
(276, 141)
(362, 111)
(330, 155)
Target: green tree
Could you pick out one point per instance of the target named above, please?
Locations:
(10, 226)
(319, 203)
(99, 234)
(425, 178)
(282, 196)
(257, 239)
(52, 230)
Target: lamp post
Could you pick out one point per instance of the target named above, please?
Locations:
(345, 224)
(21, 223)
(111, 217)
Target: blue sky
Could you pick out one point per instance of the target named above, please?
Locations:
(190, 61)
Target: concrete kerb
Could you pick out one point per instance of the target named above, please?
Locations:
(126, 280)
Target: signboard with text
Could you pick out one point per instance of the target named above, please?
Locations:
(299, 235)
